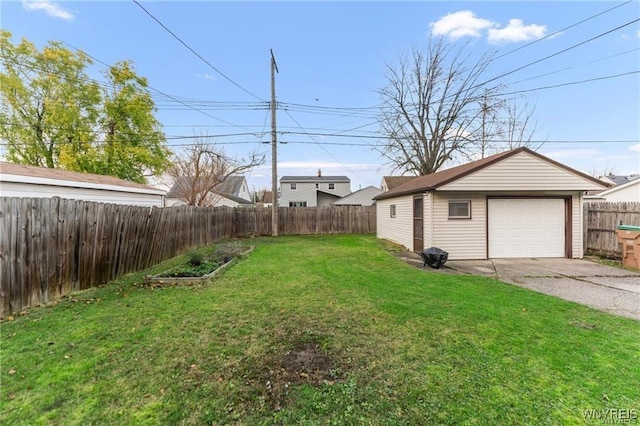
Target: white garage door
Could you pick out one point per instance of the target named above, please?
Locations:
(526, 228)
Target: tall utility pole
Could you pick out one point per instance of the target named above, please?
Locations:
(274, 150)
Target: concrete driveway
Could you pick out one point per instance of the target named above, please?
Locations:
(602, 287)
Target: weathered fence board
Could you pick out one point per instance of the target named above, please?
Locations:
(601, 220)
(50, 247)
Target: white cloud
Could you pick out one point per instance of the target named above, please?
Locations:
(52, 9)
(516, 31)
(460, 24)
(635, 147)
(206, 76)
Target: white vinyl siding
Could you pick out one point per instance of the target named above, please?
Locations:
(398, 229)
(521, 172)
(577, 249)
(307, 191)
(462, 239)
(626, 192)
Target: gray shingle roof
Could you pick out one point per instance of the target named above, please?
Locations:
(229, 188)
(314, 179)
(621, 180)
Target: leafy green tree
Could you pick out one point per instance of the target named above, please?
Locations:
(133, 143)
(53, 115)
(49, 106)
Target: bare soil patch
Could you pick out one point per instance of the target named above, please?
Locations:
(306, 363)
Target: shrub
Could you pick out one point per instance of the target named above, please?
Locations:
(195, 258)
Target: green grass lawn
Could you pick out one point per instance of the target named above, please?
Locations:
(317, 330)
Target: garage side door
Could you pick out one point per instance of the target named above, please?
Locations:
(526, 228)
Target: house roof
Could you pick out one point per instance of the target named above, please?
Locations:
(361, 197)
(237, 199)
(393, 181)
(10, 172)
(229, 188)
(314, 179)
(231, 185)
(621, 179)
(437, 179)
(628, 184)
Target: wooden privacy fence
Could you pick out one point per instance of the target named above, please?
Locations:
(49, 247)
(601, 220)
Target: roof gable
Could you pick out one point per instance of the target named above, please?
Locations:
(504, 171)
(362, 196)
(229, 187)
(394, 181)
(524, 171)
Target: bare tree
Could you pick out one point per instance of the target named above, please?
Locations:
(520, 125)
(436, 108)
(198, 172)
(606, 171)
(490, 125)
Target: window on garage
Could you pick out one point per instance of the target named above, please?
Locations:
(459, 209)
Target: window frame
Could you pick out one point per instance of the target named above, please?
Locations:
(332, 186)
(392, 210)
(459, 217)
(293, 186)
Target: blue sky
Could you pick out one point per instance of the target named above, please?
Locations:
(331, 58)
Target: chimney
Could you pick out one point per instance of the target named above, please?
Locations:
(319, 173)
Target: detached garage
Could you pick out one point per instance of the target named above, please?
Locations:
(514, 204)
(17, 180)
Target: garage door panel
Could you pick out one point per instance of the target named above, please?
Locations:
(526, 228)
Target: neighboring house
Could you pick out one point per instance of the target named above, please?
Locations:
(390, 182)
(618, 180)
(514, 204)
(312, 191)
(627, 189)
(362, 197)
(267, 199)
(232, 192)
(39, 182)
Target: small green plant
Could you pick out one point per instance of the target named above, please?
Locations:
(195, 258)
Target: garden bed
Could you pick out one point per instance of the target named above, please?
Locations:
(199, 266)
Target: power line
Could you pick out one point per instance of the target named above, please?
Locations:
(162, 93)
(573, 67)
(563, 29)
(323, 148)
(571, 83)
(493, 142)
(196, 53)
(342, 133)
(553, 54)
